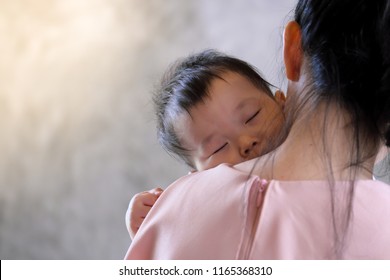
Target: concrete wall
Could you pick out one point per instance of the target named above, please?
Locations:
(76, 122)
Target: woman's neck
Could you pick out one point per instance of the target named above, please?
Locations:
(314, 150)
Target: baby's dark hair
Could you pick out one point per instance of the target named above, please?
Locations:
(186, 83)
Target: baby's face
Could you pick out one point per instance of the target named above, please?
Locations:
(235, 124)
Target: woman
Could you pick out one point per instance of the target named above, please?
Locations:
(313, 197)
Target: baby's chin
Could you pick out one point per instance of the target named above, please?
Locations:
(257, 158)
(254, 155)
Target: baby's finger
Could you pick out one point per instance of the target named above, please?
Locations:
(133, 229)
(156, 191)
(142, 212)
(134, 221)
(137, 221)
(148, 199)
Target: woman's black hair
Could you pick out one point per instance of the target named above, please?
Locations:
(347, 43)
(185, 84)
(346, 46)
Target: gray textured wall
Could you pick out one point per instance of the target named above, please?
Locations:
(77, 129)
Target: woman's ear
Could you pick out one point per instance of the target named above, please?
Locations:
(292, 50)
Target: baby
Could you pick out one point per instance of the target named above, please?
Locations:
(212, 109)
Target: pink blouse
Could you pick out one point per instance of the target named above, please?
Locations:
(223, 213)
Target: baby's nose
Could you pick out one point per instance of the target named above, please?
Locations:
(247, 146)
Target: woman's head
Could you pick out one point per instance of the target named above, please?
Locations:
(345, 47)
(190, 84)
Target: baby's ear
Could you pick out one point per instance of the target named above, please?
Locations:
(280, 98)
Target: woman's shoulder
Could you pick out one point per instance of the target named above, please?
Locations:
(370, 198)
(226, 175)
(324, 183)
(194, 213)
(323, 188)
(222, 175)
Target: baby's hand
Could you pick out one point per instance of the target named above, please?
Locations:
(139, 207)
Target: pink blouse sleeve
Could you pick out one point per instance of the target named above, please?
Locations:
(207, 215)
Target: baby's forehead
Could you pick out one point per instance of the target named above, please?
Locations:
(225, 84)
(256, 81)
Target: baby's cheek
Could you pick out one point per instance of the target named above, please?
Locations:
(272, 128)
